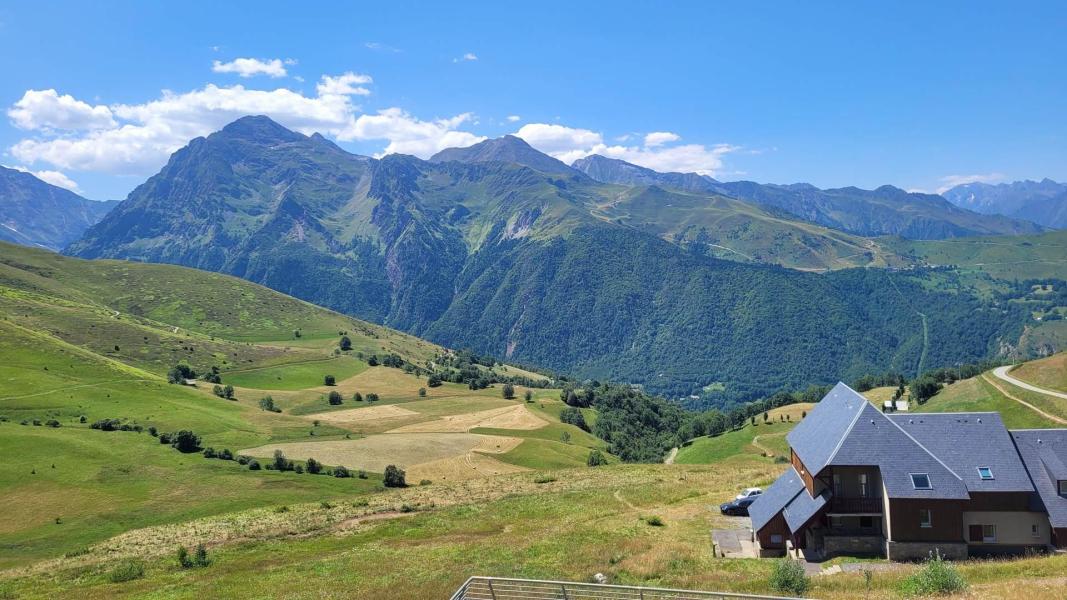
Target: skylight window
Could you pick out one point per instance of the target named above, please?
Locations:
(921, 481)
(985, 473)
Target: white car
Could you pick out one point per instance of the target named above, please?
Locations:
(749, 493)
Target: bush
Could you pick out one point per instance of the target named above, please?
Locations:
(596, 458)
(227, 392)
(422, 392)
(357, 397)
(225, 454)
(313, 466)
(528, 395)
(267, 403)
(210, 453)
(243, 460)
(329, 380)
(346, 344)
(372, 397)
(152, 431)
(936, 577)
(280, 462)
(253, 465)
(186, 441)
(201, 559)
(179, 373)
(126, 571)
(788, 577)
(107, 424)
(573, 416)
(508, 392)
(394, 477)
(217, 390)
(341, 472)
(52, 423)
(335, 398)
(183, 559)
(434, 380)
(544, 479)
(654, 521)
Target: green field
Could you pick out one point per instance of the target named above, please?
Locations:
(297, 376)
(1004, 257)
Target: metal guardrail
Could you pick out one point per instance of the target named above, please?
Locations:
(498, 588)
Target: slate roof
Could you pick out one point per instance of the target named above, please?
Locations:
(1044, 452)
(816, 437)
(802, 508)
(775, 498)
(966, 441)
(874, 439)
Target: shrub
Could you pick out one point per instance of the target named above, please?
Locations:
(267, 403)
(186, 441)
(201, 559)
(654, 521)
(243, 460)
(298, 469)
(434, 380)
(217, 390)
(406, 508)
(152, 431)
(280, 462)
(81, 419)
(107, 424)
(788, 577)
(422, 392)
(329, 380)
(210, 453)
(165, 438)
(373, 360)
(126, 571)
(508, 392)
(341, 472)
(361, 474)
(596, 458)
(528, 395)
(372, 397)
(183, 559)
(52, 423)
(425, 482)
(179, 373)
(313, 466)
(544, 479)
(573, 416)
(394, 477)
(253, 465)
(335, 398)
(936, 577)
(225, 454)
(227, 392)
(357, 397)
(346, 344)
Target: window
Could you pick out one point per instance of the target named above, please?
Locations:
(776, 538)
(838, 489)
(926, 520)
(864, 492)
(1063, 487)
(989, 534)
(866, 522)
(985, 473)
(921, 481)
(1034, 531)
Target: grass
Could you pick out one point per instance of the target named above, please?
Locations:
(296, 376)
(1049, 373)
(1002, 257)
(707, 450)
(977, 395)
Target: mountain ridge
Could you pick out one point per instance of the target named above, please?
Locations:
(1043, 202)
(36, 213)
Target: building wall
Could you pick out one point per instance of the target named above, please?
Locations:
(776, 526)
(1059, 537)
(850, 481)
(946, 520)
(809, 479)
(1013, 528)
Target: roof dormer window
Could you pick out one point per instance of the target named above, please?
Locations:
(1063, 487)
(921, 481)
(985, 473)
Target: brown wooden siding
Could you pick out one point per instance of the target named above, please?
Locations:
(1059, 537)
(809, 479)
(1013, 501)
(777, 525)
(946, 520)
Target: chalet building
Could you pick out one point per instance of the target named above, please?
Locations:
(862, 482)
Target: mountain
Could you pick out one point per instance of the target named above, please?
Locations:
(613, 170)
(36, 213)
(544, 268)
(1043, 202)
(508, 149)
(884, 211)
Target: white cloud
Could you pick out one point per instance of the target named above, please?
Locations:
(409, 135)
(658, 138)
(380, 47)
(569, 144)
(346, 84)
(54, 177)
(250, 67)
(513, 118)
(46, 109)
(950, 181)
(469, 56)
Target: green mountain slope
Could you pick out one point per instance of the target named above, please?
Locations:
(544, 268)
(35, 213)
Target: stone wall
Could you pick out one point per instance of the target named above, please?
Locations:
(834, 545)
(922, 550)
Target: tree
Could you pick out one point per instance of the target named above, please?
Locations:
(186, 441)
(280, 462)
(227, 392)
(341, 472)
(422, 392)
(372, 397)
(329, 380)
(373, 360)
(184, 561)
(565, 437)
(573, 416)
(335, 398)
(766, 416)
(528, 395)
(596, 458)
(253, 465)
(267, 403)
(179, 373)
(357, 397)
(217, 390)
(508, 391)
(346, 344)
(924, 388)
(434, 380)
(313, 466)
(394, 477)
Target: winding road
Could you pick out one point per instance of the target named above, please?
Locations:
(1002, 373)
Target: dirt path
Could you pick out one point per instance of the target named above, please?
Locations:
(765, 450)
(73, 387)
(624, 501)
(1002, 372)
(671, 456)
(1054, 418)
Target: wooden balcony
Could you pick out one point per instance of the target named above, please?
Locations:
(855, 506)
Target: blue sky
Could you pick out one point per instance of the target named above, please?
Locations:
(918, 95)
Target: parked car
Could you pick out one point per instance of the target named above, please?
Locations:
(749, 493)
(738, 508)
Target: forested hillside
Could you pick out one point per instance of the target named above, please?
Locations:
(543, 267)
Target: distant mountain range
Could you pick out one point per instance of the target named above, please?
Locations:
(505, 250)
(885, 211)
(1043, 202)
(36, 213)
